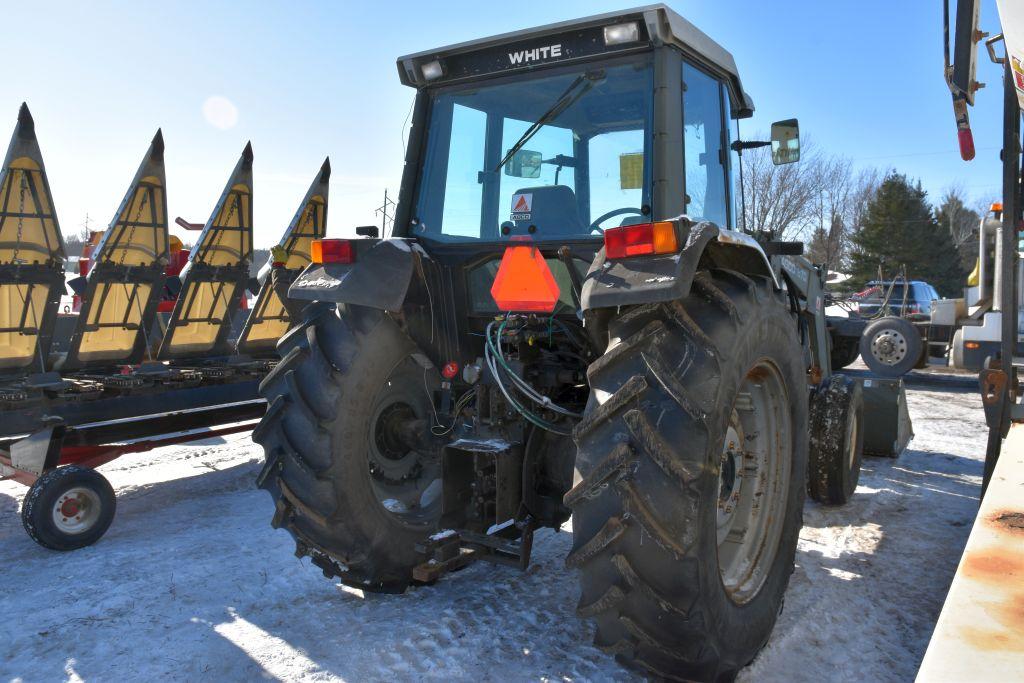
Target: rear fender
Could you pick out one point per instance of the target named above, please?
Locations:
(649, 279)
(379, 278)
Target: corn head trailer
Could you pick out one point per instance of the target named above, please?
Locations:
(564, 324)
(115, 378)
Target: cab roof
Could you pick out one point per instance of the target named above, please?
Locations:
(659, 25)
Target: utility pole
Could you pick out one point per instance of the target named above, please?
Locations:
(387, 214)
(86, 230)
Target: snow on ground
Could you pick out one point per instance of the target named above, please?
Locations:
(191, 582)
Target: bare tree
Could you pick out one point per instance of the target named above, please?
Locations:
(820, 200)
(780, 200)
(829, 240)
(958, 217)
(955, 215)
(865, 185)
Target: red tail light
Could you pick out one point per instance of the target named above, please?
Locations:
(637, 240)
(333, 251)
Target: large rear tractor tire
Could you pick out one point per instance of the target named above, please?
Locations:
(691, 468)
(836, 440)
(351, 483)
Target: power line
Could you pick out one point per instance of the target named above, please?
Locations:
(922, 154)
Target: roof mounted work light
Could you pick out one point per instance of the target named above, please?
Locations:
(617, 34)
(432, 70)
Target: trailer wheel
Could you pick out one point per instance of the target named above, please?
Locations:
(68, 508)
(691, 472)
(891, 346)
(837, 440)
(348, 396)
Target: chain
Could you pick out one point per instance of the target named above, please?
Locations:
(227, 220)
(21, 215)
(134, 224)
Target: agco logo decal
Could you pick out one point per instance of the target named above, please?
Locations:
(536, 54)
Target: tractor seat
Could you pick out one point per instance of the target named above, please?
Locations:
(552, 209)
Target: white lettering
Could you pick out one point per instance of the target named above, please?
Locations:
(535, 55)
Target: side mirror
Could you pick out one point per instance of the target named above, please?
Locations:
(785, 142)
(524, 164)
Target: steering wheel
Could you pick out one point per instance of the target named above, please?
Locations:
(596, 224)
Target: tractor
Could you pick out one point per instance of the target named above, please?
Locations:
(564, 322)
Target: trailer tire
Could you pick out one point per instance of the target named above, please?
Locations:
(656, 485)
(68, 508)
(836, 440)
(346, 375)
(891, 346)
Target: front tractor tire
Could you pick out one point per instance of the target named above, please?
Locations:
(691, 468)
(836, 440)
(349, 395)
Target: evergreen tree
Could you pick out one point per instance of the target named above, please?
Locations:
(817, 247)
(900, 230)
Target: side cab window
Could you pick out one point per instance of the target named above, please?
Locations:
(704, 151)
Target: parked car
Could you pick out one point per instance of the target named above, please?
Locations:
(916, 307)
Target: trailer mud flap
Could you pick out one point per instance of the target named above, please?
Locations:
(38, 452)
(886, 418)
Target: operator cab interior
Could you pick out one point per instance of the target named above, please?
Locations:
(587, 165)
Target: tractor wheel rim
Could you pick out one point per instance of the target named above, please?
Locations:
(889, 347)
(76, 510)
(406, 481)
(751, 507)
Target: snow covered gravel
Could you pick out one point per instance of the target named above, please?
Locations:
(192, 583)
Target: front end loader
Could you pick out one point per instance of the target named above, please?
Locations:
(565, 323)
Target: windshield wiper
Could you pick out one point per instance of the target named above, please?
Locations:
(568, 98)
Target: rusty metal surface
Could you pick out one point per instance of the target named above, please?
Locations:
(980, 633)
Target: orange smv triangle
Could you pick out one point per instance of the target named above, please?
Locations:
(524, 282)
(521, 205)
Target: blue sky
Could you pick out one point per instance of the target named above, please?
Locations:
(308, 80)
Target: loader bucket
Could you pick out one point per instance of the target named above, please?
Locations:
(886, 418)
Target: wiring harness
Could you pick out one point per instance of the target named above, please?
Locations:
(513, 387)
